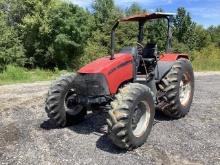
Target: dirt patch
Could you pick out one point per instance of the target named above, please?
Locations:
(8, 135)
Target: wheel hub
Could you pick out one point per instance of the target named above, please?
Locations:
(70, 104)
(185, 90)
(140, 119)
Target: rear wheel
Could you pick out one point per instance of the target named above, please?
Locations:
(176, 90)
(61, 105)
(132, 115)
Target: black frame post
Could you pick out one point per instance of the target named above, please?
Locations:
(113, 40)
(169, 33)
(141, 31)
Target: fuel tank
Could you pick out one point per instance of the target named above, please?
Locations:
(115, 71)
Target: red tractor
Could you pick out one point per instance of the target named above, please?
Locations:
(128, 86)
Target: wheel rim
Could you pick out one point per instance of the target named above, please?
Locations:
(70, 103)
(140, 119)
(185, 90)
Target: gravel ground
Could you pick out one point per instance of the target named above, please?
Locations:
(28, 137)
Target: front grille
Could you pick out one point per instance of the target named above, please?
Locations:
(91, 85)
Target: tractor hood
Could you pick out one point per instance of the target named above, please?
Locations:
(104, 64)
(115, 71)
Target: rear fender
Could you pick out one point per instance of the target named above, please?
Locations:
(172, 56)
(162, 69)
(165, 63)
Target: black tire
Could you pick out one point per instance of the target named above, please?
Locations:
(170, 102)
(56, 107)
(120, 118)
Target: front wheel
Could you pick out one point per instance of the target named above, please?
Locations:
(61, 105)
(132, 115)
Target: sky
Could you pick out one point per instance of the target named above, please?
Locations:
(204, 12)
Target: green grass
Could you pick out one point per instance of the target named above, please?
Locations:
(14, 74)
(207, 59)
(206, 64)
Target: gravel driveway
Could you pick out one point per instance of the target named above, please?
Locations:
(28, 137)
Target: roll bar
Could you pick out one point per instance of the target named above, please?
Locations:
(141, 19)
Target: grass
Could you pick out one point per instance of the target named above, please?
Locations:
(206, 64)
(207, 59)
(14, 74)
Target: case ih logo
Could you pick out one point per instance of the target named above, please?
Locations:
(120, 66)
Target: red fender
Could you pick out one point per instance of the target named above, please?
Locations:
(172, 56)
(116, 71)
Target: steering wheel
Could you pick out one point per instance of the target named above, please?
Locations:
(139, 44)
(140, 48)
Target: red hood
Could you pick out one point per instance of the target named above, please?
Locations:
(116, 71)
(103, 64)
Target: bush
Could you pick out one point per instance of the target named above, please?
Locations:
(14, 73)
(208, 58)
(92, 52)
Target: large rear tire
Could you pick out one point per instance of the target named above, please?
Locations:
(132, 115)
(176, 90)
(60, 103)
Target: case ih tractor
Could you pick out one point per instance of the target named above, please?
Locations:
(128, 86)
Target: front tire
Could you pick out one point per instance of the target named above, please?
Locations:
(132, 115)
(60, 103)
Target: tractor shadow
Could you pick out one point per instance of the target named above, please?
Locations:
(48, 125)
(92, 124)
(159, 116)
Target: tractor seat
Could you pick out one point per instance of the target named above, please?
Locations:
(150, 51)
(148, 57)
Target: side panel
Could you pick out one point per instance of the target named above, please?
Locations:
(116, 71)
(172, 56)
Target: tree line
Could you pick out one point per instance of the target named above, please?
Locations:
(58, 34)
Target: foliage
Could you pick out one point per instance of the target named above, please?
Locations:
(11, 49)
(55, 33)
(184, 30)
(208, 58)
(104, 15)
(214, 33)
(134, 9)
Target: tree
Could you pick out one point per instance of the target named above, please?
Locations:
(134, 9)
(104, 13)
(214, 32)
(184, 30)
(203, 38)
(11, 49)
(54, 34)
(182, 23)
(126, 34)
(156, 32)
(104, 16)
(16, 10)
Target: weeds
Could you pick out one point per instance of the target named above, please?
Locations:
(15, 74)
